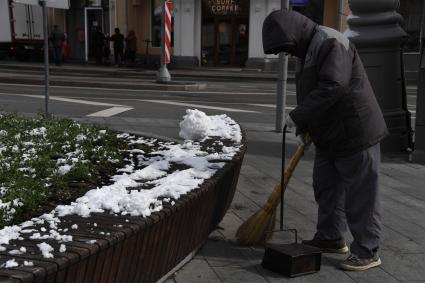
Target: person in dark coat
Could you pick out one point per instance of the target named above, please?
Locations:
(131, 47)
(118, 42)
(337, 107)
(57, 38)
(100, 42)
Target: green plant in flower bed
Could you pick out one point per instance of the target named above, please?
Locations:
(44, 162)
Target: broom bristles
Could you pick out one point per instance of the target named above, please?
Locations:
(254, 229)
(251, 232)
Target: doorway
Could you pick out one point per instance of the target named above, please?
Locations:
(225, 42)
(93, 18)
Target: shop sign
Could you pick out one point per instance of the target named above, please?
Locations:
(299, 3)
(224, 7)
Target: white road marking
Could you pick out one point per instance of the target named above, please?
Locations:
(57, 98)
(247, 86)
(110, 112)
(271, 106)
(115, 108)
(199, 106)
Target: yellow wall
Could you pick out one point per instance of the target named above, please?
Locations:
(347, 12)
(139, 17)
(331, 14)
(56, 17)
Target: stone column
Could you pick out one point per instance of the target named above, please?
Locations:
(419, 153)
(258, 11)
(375, 29)
(185, 34)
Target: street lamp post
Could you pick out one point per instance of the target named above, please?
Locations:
(46, 58)
(378, 36)
(281, 83)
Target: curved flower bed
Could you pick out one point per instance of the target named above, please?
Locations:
(157, 209)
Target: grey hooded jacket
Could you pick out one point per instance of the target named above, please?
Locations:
(336, 103)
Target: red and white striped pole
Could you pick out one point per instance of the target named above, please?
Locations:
(163, 75)
(167, 35)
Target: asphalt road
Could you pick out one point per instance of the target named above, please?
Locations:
(251, 104)
(245, 102)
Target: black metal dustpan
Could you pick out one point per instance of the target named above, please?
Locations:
(290, 259)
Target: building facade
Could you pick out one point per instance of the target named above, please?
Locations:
(222, 33)
(211, 33)
(219, 33)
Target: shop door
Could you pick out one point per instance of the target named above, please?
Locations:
(224, 49)
(225, 42)
(93, 19)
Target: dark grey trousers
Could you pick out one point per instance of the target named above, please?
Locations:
(346, 190)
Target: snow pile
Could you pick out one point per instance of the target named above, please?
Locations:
(7, 234)
(28, 263)
(197, 126)
(46, 250)
(126, 195)
(118, 199)
(11, 263)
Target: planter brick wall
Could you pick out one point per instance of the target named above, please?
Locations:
(131, 249)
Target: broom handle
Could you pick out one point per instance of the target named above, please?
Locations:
(283, 182)
(287, 174)
(292, 165)
(274, 198)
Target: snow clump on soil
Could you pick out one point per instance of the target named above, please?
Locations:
(46, 250)
(196, 125)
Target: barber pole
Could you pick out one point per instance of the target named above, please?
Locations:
(167, 35)
(163, 75)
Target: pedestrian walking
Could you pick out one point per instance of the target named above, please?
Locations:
(66, 49)
(57, 38)
(100, 41)
(338, 108)
(131, 47)
(118, 42)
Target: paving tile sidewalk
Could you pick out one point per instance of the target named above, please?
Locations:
(402, 252)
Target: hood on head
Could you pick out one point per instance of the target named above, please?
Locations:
(287, 31)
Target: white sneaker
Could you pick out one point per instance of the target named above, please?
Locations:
(354, 263)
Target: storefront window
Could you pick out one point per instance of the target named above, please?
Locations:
(156, 23)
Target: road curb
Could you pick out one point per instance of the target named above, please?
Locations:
(109, 85)
(150, 74)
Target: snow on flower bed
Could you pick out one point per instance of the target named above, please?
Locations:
(39, 157)
(146, 182)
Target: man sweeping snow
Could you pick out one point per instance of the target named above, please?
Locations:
(337, 107)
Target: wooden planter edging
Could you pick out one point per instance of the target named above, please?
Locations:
(126, 248)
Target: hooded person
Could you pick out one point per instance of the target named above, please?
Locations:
(337, 107)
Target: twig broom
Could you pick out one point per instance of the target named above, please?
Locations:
(253, 230)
